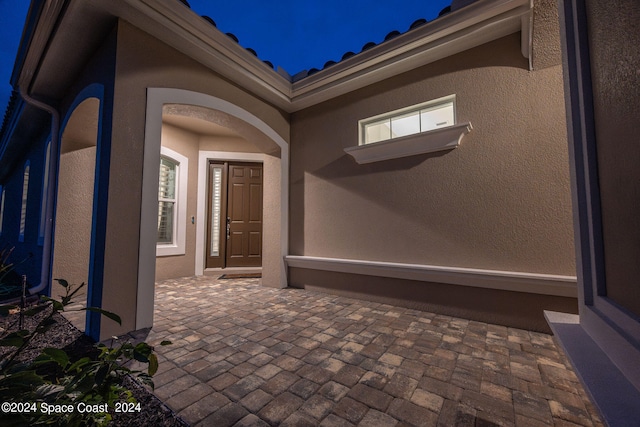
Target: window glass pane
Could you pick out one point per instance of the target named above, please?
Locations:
(23, 210)
(377, 131)
(165, 222)
(166, 200)
(437, 117)
(216, 201)
(167, 187)
(407, 124)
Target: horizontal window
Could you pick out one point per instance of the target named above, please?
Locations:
(424, 117)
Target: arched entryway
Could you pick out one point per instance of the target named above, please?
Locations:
(271, 146)
(75, 202)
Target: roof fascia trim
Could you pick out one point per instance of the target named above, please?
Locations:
(35, 40)
(471, 26)
(174, 24)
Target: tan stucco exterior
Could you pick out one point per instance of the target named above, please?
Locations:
(144, 62)
(73, 219)
(501, 201)
(499, 204)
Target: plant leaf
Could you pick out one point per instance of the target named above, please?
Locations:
(166, 342)
(25, 378)
(153, 364)
(46, 390)
(79, 364)
(144, 348)
(62, 282)
(105, 313)
(15, 339)
(53, 355)
(101, 374)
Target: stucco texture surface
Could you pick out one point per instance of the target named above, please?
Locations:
(73, 219)
(500, 201)
(144, 62)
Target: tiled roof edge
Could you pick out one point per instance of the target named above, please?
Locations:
(391, 35)
(304, 73)
(9, 113)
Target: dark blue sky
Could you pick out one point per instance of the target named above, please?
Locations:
(292, 34)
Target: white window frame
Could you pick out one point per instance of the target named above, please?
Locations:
(178, 246)
(25, 199)
(428, 141)
(418, 108)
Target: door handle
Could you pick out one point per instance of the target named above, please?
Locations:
(228, 228)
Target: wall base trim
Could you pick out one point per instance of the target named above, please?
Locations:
(545, 284)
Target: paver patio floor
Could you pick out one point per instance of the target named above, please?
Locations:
(247, 355)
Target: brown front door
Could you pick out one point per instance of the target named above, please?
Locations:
(234, 217)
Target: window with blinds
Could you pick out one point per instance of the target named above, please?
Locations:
(167, 200)
(412, 120)
(23, 209)
(216, 205)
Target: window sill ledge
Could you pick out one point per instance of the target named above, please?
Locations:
(427, 142)
(169, 250)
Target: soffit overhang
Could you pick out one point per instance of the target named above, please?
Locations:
(180, 27)
(49, 65)
(66, 36)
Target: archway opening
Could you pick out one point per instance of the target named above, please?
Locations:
(74, 204)
(234, 135)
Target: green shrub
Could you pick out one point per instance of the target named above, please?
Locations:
(53, 389)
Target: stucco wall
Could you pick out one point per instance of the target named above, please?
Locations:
(216, 143)
(500, 201)
(546, 49)
(73, 218)
(616, 88)
(143, 62)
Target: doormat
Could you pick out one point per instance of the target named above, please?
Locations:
(241, 276)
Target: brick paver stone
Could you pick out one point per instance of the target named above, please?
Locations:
(370, 396)
(335, 421)
(250, 356)
(225, 417)
(202, 408)
(280, 408)
(256, 400)
(412, 414)
(350, 410)
(251, 420)
(378, 419)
